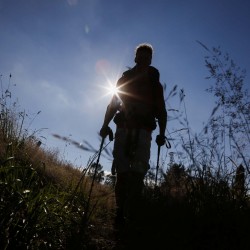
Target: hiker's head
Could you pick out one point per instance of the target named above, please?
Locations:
(143, 54)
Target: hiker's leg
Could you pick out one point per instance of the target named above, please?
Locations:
(121, 164)
(140, 161)
(136, 184)
(139, 168)
(121, 195)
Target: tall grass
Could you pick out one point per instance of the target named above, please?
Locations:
(45, 201)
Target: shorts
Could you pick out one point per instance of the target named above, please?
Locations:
(131, 150)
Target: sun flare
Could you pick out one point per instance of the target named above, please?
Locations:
(112, 90)
(109, 88)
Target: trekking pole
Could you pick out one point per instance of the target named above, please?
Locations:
(168, 145)
(157, 165)
(110, 133)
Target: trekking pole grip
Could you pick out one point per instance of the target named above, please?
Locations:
(168, 145)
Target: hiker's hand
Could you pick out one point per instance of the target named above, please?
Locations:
(106, 131)
(160, 140)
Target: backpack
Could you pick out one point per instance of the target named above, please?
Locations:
(139, 112)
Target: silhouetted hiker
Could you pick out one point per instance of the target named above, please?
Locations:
(135, 111)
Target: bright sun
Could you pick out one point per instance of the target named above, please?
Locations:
(112, 89)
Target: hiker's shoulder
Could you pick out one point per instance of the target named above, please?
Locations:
(151, 69)
(124, 77)
(128, 72)
(154, 71)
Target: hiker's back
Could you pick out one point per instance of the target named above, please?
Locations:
(137, 92)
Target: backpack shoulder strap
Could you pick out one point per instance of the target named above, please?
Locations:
(154, 74)
(125, 75)
(128, 72)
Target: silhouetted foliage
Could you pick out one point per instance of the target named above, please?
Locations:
(96, 171)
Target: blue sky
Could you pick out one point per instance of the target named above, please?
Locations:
(61, 54)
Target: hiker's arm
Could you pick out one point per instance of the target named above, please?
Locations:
(161, 115)
(162, 122)
(110, 113)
